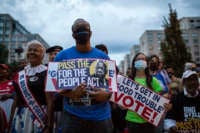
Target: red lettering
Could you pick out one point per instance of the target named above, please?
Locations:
(146, 113)
(128, 104)
(116, 97)
(154, 116)
(138, 105)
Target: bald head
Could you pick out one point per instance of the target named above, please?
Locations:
(78, 23)
(81, 32)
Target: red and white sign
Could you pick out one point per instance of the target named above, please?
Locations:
(6, 88)
(133, 96)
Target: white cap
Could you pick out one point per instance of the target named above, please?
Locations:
(188, 66)
(188, 73)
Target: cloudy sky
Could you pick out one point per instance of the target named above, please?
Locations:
(116, 23)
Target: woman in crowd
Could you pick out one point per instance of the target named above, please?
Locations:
(7, 88)
(140, 74)
(31, 100)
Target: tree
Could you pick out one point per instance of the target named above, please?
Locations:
(3, 54)
(173, 48)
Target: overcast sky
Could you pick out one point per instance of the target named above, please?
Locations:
(116, 23)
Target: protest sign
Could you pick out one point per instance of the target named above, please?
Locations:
(6, 88)
(131, 95)
(95, 73)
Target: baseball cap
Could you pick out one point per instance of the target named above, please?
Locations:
(188, 73)
(53, 48)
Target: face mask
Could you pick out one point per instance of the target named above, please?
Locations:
(140, 64)
(193, 69)
(82, 37)
(170, 74)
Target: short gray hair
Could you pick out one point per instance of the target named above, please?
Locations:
(36, 42)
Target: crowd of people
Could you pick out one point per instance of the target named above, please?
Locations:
(25, 106)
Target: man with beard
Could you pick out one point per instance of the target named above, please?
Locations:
(96, 116)
(185, 114)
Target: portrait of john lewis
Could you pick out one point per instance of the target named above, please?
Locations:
(100, 72)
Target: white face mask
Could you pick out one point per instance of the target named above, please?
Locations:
(140, 64)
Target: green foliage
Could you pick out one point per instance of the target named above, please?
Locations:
(3, 54)
(174, 50)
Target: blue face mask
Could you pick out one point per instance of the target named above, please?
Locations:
(140, 64)
(82, 37)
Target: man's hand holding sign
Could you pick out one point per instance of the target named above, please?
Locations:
(80, 78)
(100, 95)
(74, 73)
(74, 93)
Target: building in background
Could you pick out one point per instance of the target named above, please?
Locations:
(134, 50)
(126, 63)
(187, 23)
(190, 27)
(15, 37)
(121, 67)
(149, 42)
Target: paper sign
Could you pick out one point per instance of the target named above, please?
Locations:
(6, 88)
(95, 73)
(148, 104)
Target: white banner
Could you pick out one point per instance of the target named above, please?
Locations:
(131, 95)
(95, 73)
